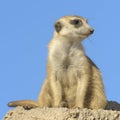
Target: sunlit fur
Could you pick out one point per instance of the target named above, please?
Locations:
(72, 80)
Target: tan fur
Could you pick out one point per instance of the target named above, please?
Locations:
(73, 80)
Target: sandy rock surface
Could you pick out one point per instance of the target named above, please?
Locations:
(112, 112)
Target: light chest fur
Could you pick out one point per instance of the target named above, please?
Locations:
(68, 63)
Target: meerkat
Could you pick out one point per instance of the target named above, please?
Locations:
(73, 80)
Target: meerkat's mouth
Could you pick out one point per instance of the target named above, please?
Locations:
(85, 35)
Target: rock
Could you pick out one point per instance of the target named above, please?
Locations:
(112, 105)
(19, 113)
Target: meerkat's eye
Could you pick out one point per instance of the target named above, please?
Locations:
(76, 22)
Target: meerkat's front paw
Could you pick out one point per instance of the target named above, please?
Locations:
(79, 106)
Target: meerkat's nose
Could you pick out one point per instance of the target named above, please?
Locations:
(91, 30)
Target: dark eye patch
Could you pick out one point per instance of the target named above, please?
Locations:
(76, 22)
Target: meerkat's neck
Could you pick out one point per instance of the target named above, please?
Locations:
(64, 52)
(65, 44)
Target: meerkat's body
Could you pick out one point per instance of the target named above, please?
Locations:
(73, 80)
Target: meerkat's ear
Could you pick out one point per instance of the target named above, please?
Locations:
(58, 27)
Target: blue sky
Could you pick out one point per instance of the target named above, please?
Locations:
(26, 27)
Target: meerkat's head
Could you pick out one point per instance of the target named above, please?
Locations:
(74, 27)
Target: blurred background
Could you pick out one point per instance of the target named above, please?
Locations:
(27, 26)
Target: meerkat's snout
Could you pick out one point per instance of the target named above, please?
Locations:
(91, 31)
